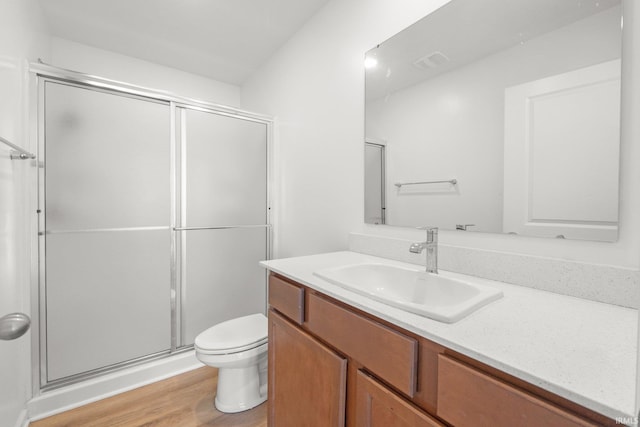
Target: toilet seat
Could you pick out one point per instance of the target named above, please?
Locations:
(234, 336)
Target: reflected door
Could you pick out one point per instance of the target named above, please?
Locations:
(223, 219)
(562, 146)
(106, 235)
(374, 183)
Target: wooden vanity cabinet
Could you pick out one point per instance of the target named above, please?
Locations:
(321, 356)
(333, 365)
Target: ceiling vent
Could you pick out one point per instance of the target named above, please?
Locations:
(430, 61)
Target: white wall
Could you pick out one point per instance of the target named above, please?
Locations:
(87, 59)
(425, 142)
(425, 139)
(23, 38)
(314, 86)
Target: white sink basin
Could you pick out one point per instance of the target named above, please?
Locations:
(436, 296)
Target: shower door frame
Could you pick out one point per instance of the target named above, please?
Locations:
(40, 74)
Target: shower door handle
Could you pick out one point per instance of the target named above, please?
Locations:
(221, 227)
(14, 326)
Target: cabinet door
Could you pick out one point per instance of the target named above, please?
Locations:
(379, 407)
(307, 381)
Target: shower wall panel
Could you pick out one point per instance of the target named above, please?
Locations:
(223, 278)
(107, 160)
(224, 184)
(107, 299)
(224, 170)
(107, 172)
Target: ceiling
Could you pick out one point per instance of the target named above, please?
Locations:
(465, 31)
(226, 40)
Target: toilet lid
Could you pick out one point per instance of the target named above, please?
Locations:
(241, 333)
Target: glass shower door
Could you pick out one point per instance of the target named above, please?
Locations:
(107, 229)
(223, 219)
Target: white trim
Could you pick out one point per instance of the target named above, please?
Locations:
(58, 73)
(22, 420)
(63, 399)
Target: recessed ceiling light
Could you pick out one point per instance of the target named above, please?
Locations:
(370, 62)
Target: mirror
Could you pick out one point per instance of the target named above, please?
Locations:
(498, 116)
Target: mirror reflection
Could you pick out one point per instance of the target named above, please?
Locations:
(498, 116)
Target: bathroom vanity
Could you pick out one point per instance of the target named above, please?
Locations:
(337, 358)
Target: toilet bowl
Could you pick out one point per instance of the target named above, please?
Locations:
(238, 348)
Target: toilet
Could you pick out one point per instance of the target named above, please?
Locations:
(238, 348)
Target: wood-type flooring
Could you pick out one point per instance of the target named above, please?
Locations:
(185, 400)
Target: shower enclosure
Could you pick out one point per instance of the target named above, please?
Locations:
(153, 215)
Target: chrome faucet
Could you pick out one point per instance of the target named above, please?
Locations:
(431, 245)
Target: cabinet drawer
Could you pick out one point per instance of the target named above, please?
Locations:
(391, 355)
(378, 406)
(287, 298)
(469, 397)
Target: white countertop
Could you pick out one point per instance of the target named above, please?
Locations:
(582, 350)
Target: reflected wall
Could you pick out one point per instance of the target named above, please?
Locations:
(449, 121)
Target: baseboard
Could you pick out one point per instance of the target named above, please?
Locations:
(70, 397)
(23, 420)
